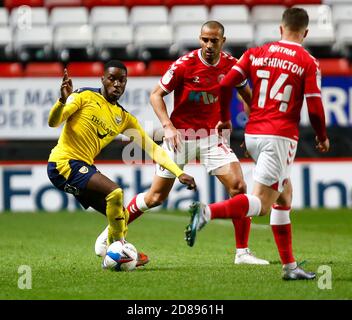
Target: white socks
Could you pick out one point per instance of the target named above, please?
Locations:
(254, 207)
(141, 205)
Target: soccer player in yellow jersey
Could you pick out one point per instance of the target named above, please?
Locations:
(93, 118)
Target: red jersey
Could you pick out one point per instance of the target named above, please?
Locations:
(282, 73)
(195, 83)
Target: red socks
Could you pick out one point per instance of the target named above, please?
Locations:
(233, 208)
(133, 210)
(242, 228)
(281, 227)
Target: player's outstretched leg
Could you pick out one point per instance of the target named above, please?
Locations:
(200, 216)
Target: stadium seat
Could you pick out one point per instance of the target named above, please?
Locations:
(291, 3)
(5, 43)
(332, 2)
(153, 41)
(211, 3)
(4, 17)
(334, 67)
(267, 13)
(148, 15)
(264, 2)
(266, 32)
(344, 39)
(114, 41)
(62, 3)
(74, 43)
(132, 3)
(13, 69)
(171, 3)
(95, 3)
(180, 15)
(317, 13)
(226, 13)
(186, 38)
(239, 37)
(135, 68)
(16, 3)
(158, 67)
(44, 69)
(341, 13)
(320, 40)
(108, 15)
(68, 16)
(85, 69)
(24, 18)
(33, 44)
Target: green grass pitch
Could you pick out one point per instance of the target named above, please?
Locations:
(59, 249)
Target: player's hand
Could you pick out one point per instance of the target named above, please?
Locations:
(66, 87)
(172, 138)
(224, 129)
(322, 146)
(245, 151)
(188, 180)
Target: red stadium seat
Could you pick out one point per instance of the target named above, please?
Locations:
(264, 2)
(62, 3)
(290, 3)
(16, 3)
(131, 3)
(11, 69)
(229, 2)
(44, 69)
(95, 3)
(335, 67)
(85, 69)
(158, 67)
(171, 3)
(135, 68)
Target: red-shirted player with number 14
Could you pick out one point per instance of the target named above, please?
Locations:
(282, 74)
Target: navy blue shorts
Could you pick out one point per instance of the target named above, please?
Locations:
(79, 173)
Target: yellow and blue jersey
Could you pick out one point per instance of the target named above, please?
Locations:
(91, 124)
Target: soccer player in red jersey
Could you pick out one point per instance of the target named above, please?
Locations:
(283, 73)
(191, 132)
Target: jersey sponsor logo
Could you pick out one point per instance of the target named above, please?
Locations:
(103, 125)
(83, 170)
(276, 48)
(101, 136)
(220, 77)
(196, 79)
(202, 97)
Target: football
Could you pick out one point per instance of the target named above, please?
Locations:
(120, 257)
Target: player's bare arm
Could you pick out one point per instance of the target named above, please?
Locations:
(171, 135)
